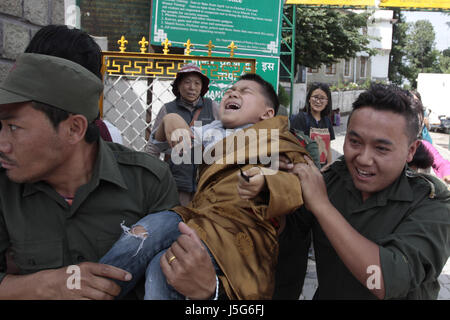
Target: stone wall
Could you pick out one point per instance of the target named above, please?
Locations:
(344, 100)
(19, 21)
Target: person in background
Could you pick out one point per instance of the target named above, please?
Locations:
(314, 121)
(441, 166)
(114, 132)
(337, 117)
(189, 88)
(425, 129)
(422, 160)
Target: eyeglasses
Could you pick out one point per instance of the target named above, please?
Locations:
(320, 99)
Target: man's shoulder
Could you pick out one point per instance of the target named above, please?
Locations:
(433, 186)
(337, 169)
(136, 159)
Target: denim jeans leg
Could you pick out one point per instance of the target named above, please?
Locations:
(133, 253)
(156, 286)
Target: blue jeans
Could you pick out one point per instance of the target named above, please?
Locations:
(139, 255)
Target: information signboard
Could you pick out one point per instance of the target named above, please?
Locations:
(253, 26)
(267, 67)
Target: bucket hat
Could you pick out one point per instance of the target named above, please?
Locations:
(190, 68)
(57, 82)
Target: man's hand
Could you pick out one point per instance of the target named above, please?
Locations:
(250, 189)
(93, 282)
(284, 163)
(191, 273)
(314, 190)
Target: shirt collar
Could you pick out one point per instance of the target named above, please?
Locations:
(186, 104)
(399, 190)
(107, 167)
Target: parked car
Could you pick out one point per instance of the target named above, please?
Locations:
(442, 126)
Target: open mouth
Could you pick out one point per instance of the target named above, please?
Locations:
(232, 106)
(364, 174)
(6, 165)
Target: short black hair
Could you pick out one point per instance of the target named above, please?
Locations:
(325, 88)
(71, 44)
(74, 45)
(268, 90)
(384, 97)
(422, 159)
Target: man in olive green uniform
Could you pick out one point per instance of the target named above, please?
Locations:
(63, 191)
(379, 229)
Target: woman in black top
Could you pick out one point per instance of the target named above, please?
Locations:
(314, 120)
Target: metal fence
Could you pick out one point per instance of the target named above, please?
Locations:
(137, 85)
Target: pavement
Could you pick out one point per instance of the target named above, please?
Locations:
(441, 142)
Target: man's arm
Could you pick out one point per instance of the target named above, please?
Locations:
(358, 253)
(94, 283)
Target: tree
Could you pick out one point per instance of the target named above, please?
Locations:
(444, 61)
(397, 67)
(421, 53)
(324, 36)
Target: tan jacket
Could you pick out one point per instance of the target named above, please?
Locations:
(238, 232)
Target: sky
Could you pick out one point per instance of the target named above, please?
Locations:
(439, 21)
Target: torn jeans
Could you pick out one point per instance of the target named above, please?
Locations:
(139, 254)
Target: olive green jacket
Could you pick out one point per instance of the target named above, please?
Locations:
(410, 222)
(44, 232)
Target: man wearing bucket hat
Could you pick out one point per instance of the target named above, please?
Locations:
(63, 191)
(189, 88)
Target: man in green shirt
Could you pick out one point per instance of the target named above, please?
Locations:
(379, 229)
(63, 191)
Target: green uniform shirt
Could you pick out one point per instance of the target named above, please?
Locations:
(409, 220)
(45, 232)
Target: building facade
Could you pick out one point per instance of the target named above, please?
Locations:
(19, 21)
(362, 68)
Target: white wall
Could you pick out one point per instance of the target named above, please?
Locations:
(381, 28)
(434, 89)
(380, 66)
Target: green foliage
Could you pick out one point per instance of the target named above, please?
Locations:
(348, 85)
(413, 51)
(444, 62)
(420, 48)
(324, 36)
(397, 67)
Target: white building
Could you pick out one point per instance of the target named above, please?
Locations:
(381, 28)
(362, 67)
